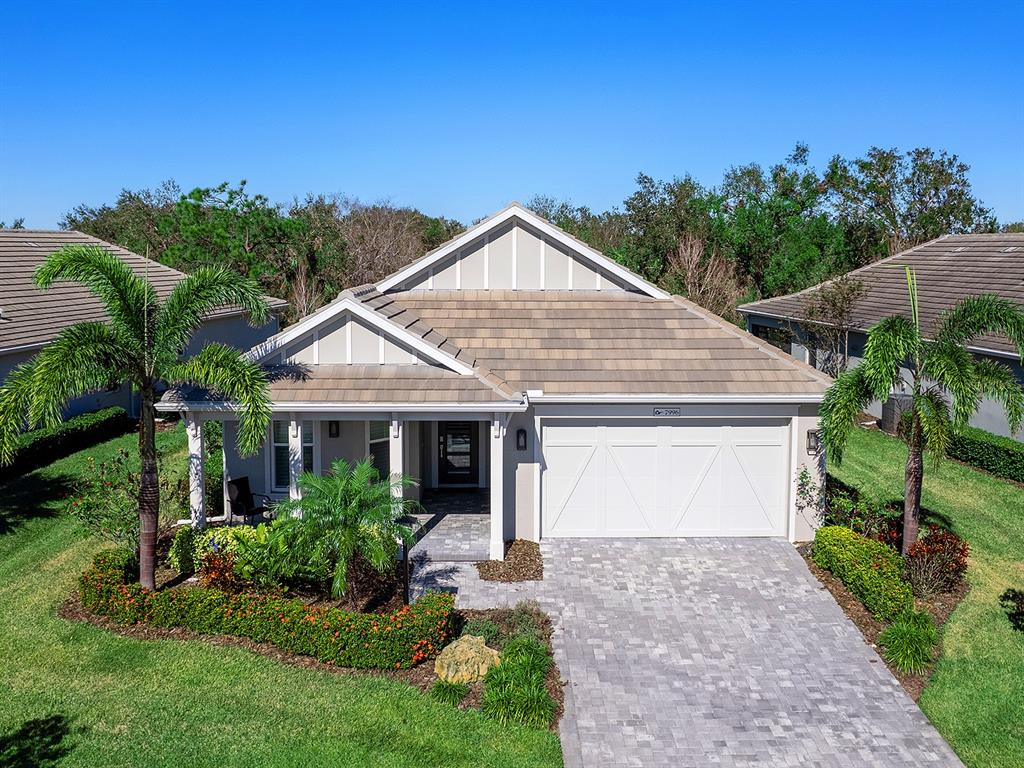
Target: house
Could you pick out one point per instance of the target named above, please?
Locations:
(31, 318)
(948, 269)
(579, 399)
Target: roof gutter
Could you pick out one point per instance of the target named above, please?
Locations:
(680, 399)
(311, 407)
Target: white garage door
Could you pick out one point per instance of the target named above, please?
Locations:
(650, 478)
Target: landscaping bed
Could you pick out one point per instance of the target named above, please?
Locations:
(523, 562)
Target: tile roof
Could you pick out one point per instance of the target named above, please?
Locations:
(31, 317)
(948, 269)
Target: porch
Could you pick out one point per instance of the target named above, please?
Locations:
(453, 527)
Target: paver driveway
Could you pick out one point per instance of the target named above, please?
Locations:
(697, 652)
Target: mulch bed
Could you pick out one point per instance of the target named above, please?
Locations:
(522, 563)
(939, 606)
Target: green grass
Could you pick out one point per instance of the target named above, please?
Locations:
(976, 697)
(171, 703)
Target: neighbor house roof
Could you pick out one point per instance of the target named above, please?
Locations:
(30, 317)
(947, 269)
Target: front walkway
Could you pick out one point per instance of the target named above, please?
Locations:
(696, 652)
(455, 526)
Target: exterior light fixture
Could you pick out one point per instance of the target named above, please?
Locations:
(814, 441)
(333, 428)
(520, 439)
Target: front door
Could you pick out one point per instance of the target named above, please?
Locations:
(457, 463)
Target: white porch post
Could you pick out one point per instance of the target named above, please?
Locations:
(196, 472)
(294, 456)
(396, 456)
(497, 488)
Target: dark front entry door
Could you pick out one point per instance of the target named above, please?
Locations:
(458, 457)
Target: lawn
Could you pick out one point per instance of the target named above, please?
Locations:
(976, 697)
(107, 700)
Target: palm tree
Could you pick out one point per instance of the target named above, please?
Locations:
(141, 343)
(346, 513)
(945, 380)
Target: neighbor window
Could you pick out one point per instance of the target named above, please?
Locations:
(380, 447)
(280, 439)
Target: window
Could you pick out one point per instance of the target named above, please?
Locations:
(380, 447)
(280, 448)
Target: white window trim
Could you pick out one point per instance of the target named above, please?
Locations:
(276, 490)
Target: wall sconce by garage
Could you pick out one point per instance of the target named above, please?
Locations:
(814, 441)
(333, 428)
(520, 439)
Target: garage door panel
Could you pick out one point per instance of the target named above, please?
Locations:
(572, 484)
(631, 485)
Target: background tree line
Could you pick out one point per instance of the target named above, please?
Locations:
(760, 232)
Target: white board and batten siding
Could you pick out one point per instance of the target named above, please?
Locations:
(348, 340)
(649, 478)
(514, 256)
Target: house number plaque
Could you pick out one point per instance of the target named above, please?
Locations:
(667, 411)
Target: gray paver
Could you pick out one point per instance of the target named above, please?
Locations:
(696, 652)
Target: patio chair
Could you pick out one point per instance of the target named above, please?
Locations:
(242, 502)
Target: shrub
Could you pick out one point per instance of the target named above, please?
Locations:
(515, 691)
(866, 515)
(449, 693)
(181, 556)
(936, 562)
(398, 640)
(42, 446)
(908, 642)
(870, 570)
(484, 628)
(222, 539)
(218, 572)
(1002, 456)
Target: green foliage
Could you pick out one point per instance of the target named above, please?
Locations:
(526, 620)
(872, 571)
(224, 539)
(449, 693)
(1002, 456)
(181, 556)
(515, 691)
(348, 512)
(484, 628)
(398, 640)
(863, 513)
(908, 643)
(41, 446)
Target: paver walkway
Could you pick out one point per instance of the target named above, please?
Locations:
(698, 652)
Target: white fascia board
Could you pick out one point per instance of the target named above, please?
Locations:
(317, 319)
(517, 211)
(321, 407)
(678, 399)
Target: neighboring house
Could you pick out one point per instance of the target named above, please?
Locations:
(948, 269)
(517, 359)
(31, 318)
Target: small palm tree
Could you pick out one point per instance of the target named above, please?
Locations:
(945, 380)
(346, 513)
(140, 343)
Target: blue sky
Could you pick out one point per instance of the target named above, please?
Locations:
(458, 108)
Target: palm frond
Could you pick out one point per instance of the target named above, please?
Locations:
(954, 369)
(933, 414)
(15, 401)
(891, 343)
(229, 373)
(980, 315)
(205, 290)
(999, 382)
(849, 395)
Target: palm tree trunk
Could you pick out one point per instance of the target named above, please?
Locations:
(149, 491)
(913, 480)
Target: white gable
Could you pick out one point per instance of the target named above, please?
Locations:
(346, 339)
(516, 249)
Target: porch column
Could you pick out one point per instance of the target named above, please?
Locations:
(497, 432)
(397, 437)
(196, 472)
(294, 456)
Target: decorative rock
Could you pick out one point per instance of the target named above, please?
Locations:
(466, 660)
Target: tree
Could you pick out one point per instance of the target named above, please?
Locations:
(907, 198)
(707, 279)
(133, 222)
(828, 320)
(140, 343)
(945, 380)
(16, 224)
(347, 513)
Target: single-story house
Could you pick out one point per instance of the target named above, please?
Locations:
(948, 269)
(31, 318)
(581, 400)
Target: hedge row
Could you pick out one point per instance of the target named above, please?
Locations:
(42, 446)
(1002, 456)
(870, 570)
(398, 640)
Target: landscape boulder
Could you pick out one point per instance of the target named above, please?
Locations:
(466, 660)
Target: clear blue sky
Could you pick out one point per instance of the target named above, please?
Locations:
(458, 108)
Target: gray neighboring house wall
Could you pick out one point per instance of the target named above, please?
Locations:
(30, 318)
(948, 269)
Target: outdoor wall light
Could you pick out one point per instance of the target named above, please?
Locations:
(814, 441)
(333, 428)
(520, 439)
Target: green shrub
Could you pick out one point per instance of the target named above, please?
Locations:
(398, 640)
(43, 446)
(515, 691)
(223, 539)
(484, 628)
(870, 570)
(449, 693)
(1002, 456)
(181, 556)
(526, 619)
(528, 654)
(909, 641)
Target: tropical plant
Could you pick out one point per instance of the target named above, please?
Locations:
(945, 380)
(909, 641)
(141, 343)
(348, 513)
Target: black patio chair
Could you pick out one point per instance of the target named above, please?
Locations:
(242, 502)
